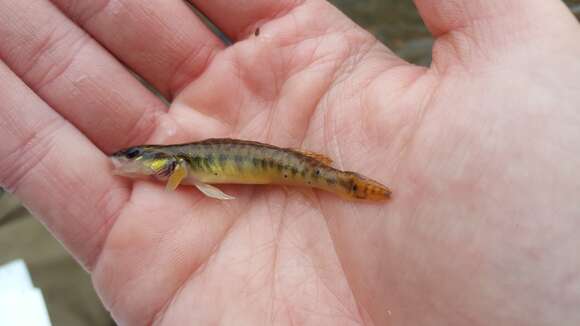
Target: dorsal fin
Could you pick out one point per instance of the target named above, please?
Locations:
(316, 156)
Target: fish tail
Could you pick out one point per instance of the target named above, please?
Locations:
(354, 186)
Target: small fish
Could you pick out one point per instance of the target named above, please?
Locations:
(221, 161)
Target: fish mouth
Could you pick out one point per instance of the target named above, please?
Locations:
(121, 166)
(116, 162)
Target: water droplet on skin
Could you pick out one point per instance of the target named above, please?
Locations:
(115, 8)
(166, 131)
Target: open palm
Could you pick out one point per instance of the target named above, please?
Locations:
(481, 151)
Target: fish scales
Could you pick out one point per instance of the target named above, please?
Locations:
(220, 161)
(246, 162)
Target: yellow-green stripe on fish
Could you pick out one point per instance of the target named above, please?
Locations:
(219, 161)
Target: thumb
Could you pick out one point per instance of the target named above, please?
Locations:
(467, 30)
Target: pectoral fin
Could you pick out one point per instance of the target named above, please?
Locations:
(212, 191)
(178, 174)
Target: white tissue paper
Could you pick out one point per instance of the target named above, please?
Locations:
(20, 302)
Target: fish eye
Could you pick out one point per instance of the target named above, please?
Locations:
(133, 152)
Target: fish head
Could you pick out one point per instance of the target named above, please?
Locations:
(142, 161)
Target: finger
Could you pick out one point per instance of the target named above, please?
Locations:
(289, 66)
(238, 19)
(57, 173)
(75, 76)
(469, 27)
(163, 41)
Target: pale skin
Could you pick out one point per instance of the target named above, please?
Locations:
(482, 151)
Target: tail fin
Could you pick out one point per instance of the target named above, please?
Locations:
(363, 188)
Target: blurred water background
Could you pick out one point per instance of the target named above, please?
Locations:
(397, 24)
(67, 289)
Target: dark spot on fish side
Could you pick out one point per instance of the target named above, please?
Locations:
(257, 31)
(285, 176)
(315, 175)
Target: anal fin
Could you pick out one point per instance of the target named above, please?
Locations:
(212, 191)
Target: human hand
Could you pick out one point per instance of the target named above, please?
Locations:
(481, 151)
